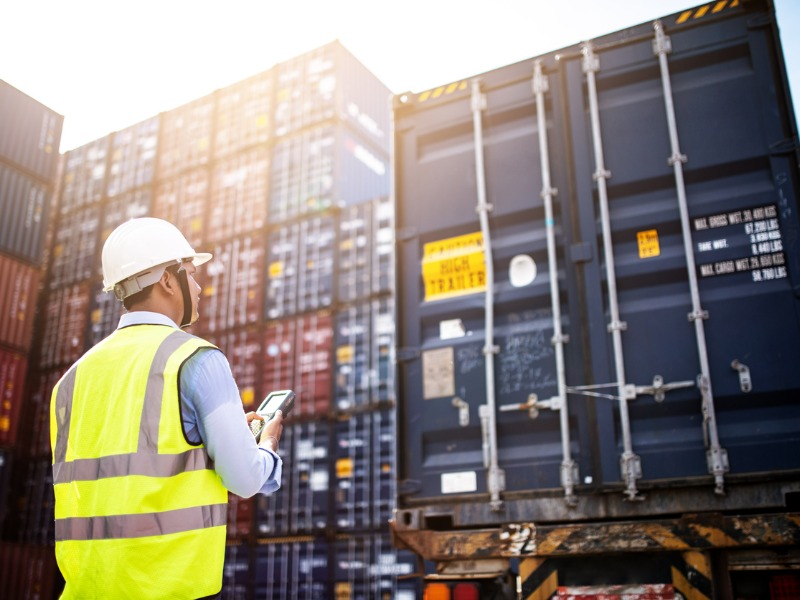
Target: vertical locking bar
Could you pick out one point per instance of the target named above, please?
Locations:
(630, 464)
(568, 465)
(717, 457)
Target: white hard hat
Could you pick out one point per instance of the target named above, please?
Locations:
(137, 252)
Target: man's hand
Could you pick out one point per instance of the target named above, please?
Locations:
(271, 434)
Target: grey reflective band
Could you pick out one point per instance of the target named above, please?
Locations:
(141, 525)
(120, 465)
(151, 411)
(64, 413)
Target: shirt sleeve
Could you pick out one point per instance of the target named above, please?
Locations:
(212, 412)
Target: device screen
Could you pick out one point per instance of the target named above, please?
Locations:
(282, 400)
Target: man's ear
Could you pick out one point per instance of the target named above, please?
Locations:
(168, 283)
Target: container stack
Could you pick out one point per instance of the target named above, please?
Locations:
(284, 177)
(30, 134)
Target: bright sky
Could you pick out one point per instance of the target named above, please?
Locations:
(107, 64)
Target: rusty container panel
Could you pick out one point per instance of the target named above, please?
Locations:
(39, 394)
(242, 347)
(75, 247)
(244, 115)
(133, 157)
(31, 133)
(239, 189)
(182, 201)
(233, 285)
(66, 313)
(19, 285)
(185, 139)
(13, 367)
(84, 178)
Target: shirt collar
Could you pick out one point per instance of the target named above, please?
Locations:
(144, 317)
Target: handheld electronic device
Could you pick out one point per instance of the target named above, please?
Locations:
(282, 400)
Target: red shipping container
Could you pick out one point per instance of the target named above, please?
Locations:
(243, 350)
(297, 356)
(66, 316)
(19, 284)
(240, 516)
(12, 385)
(239, 190)
(233, 285)
(29, 572)
(182, 202)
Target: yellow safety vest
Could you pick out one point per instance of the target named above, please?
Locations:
(140, 511)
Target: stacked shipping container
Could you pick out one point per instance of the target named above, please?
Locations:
(284, 177)
(29, 143)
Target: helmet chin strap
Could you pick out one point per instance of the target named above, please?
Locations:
(183, 278)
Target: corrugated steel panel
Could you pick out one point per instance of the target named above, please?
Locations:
(133, 157)
(242, 347)
(365, 257)
(75, 247)
(66, 313)
(37, 519)
(185, 139)
(240, 517)
(323, 167)
(233, 285)
(5, 478)
(364, 346)
(293, 569)
(329, 83)
(742, 216)
(297, 356)
(24, 214)
(300, 266)
(273, 511)
(31, 133)
(128, 205)
(239, 189)
(13, 368)
(310, 478)
(367, 566)
(244, 115)
(39, 394)
(182, 201)
(84, 179)
(104, 314)
(236, 572)
(19, 286)
(384, 467)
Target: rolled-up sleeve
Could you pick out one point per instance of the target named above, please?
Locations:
(212, 412)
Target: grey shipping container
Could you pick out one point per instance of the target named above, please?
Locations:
(24, 210)
(544, 346)
(84, 177)
(182, 201)
(329, 83)
(185, 137)
(244, 115)
(326, 166)
(31, 134)
(133, 157)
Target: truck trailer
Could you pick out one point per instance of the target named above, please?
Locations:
(598, 318)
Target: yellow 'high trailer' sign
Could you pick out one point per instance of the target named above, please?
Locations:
(454, 267)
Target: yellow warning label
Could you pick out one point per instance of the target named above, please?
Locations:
(648, 243)
(454, 267)
(344, 467)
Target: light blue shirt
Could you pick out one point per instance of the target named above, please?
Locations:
(212, 412)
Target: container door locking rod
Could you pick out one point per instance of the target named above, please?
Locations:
(569, 469)
(496, 477)
(716, 456)
(630, 463)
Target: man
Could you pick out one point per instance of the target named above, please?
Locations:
(148, 435)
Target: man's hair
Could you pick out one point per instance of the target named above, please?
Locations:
(142, 295)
